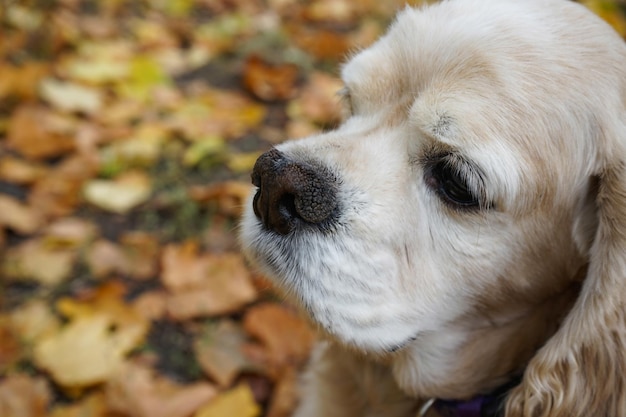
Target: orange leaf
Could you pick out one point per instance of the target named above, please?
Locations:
(24, 396)
(269, 82)
(29, 134)
(136, 391)
(287, 337)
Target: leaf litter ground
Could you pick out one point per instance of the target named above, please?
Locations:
(127, 133)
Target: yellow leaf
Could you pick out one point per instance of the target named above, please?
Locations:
(238, 402)
(242, 162)
(92, 346)
(36, 260)
(207, 146)
(121, 194)
(70, 96)
(609, 11)
(145, 74)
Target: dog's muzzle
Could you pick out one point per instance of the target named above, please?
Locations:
(292, 194)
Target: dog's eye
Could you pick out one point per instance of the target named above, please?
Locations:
(451, 186)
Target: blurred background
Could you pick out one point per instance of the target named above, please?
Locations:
(128, 129)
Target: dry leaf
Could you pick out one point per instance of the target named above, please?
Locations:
(151, 305)
(58, 193)
(219, 352)
(19, 217)
(71, 97)
(24, 396)
(91, 406)
(238, 402)
(288, 338)
(36, 260)
(11, 349)
(91, 348)
(285, 397)
(318, 101)
(230, 196)
(34, 320)
(19, 171)
(142, 252)
(204, 285)
(70, 232)
(22, 81)
(136, 391)
(121, 194)
(269, 82)
(30, 134)
(105, 258)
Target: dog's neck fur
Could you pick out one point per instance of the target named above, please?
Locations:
(463, 362)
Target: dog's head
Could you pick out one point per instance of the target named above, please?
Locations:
(472, 202)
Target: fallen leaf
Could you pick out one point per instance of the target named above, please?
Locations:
(269, 82)
(121, 194)
(105, 258)
(287, 337)
(318, 101)
(285, 397)
(137, 391)
(58, 193)
(219, 352)
(71, 97)
(24, 396)
(36, 260)
(215, 284)
(21, 81)
(151, 305)
(19, 217)
(91, 406)
(11, 349)
(230, 196)
(30, 134)
(34, 320)
(142, 254)
(238, 402)
(91, 348)
(70, 232)
(19, 171)
(242, 162)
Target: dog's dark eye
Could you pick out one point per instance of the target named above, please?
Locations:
(451, 186)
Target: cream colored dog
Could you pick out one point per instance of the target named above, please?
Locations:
(466, 225)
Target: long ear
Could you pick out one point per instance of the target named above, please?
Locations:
(581, 371)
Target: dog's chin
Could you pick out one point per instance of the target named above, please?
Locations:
(362, 318)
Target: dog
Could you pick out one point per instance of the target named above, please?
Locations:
(460, 238)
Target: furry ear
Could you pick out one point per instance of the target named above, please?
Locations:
(581, 371)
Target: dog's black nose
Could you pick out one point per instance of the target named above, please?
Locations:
(291, 193)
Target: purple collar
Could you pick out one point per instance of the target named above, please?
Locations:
(480, 406)
(491, 405)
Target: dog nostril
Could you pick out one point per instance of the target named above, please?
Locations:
(291, 193)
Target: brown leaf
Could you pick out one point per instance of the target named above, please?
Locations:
(29, 134)
(322, 43)
(269, 82)
(24, 396)
(287, 337)
(105, 258)
(142, 251)
(219, 352)
(136, 391)
(230, 196)
(91, 406)
(204, 285)
(121, 194)
(36, 260)
(318, 100)
(21, 82)
(19, 171)
(151, 305)
(58, 193)
(11, 350)
(238, 402)
(34, 320)
(285, 396)
(70, 232)
(19, 217)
